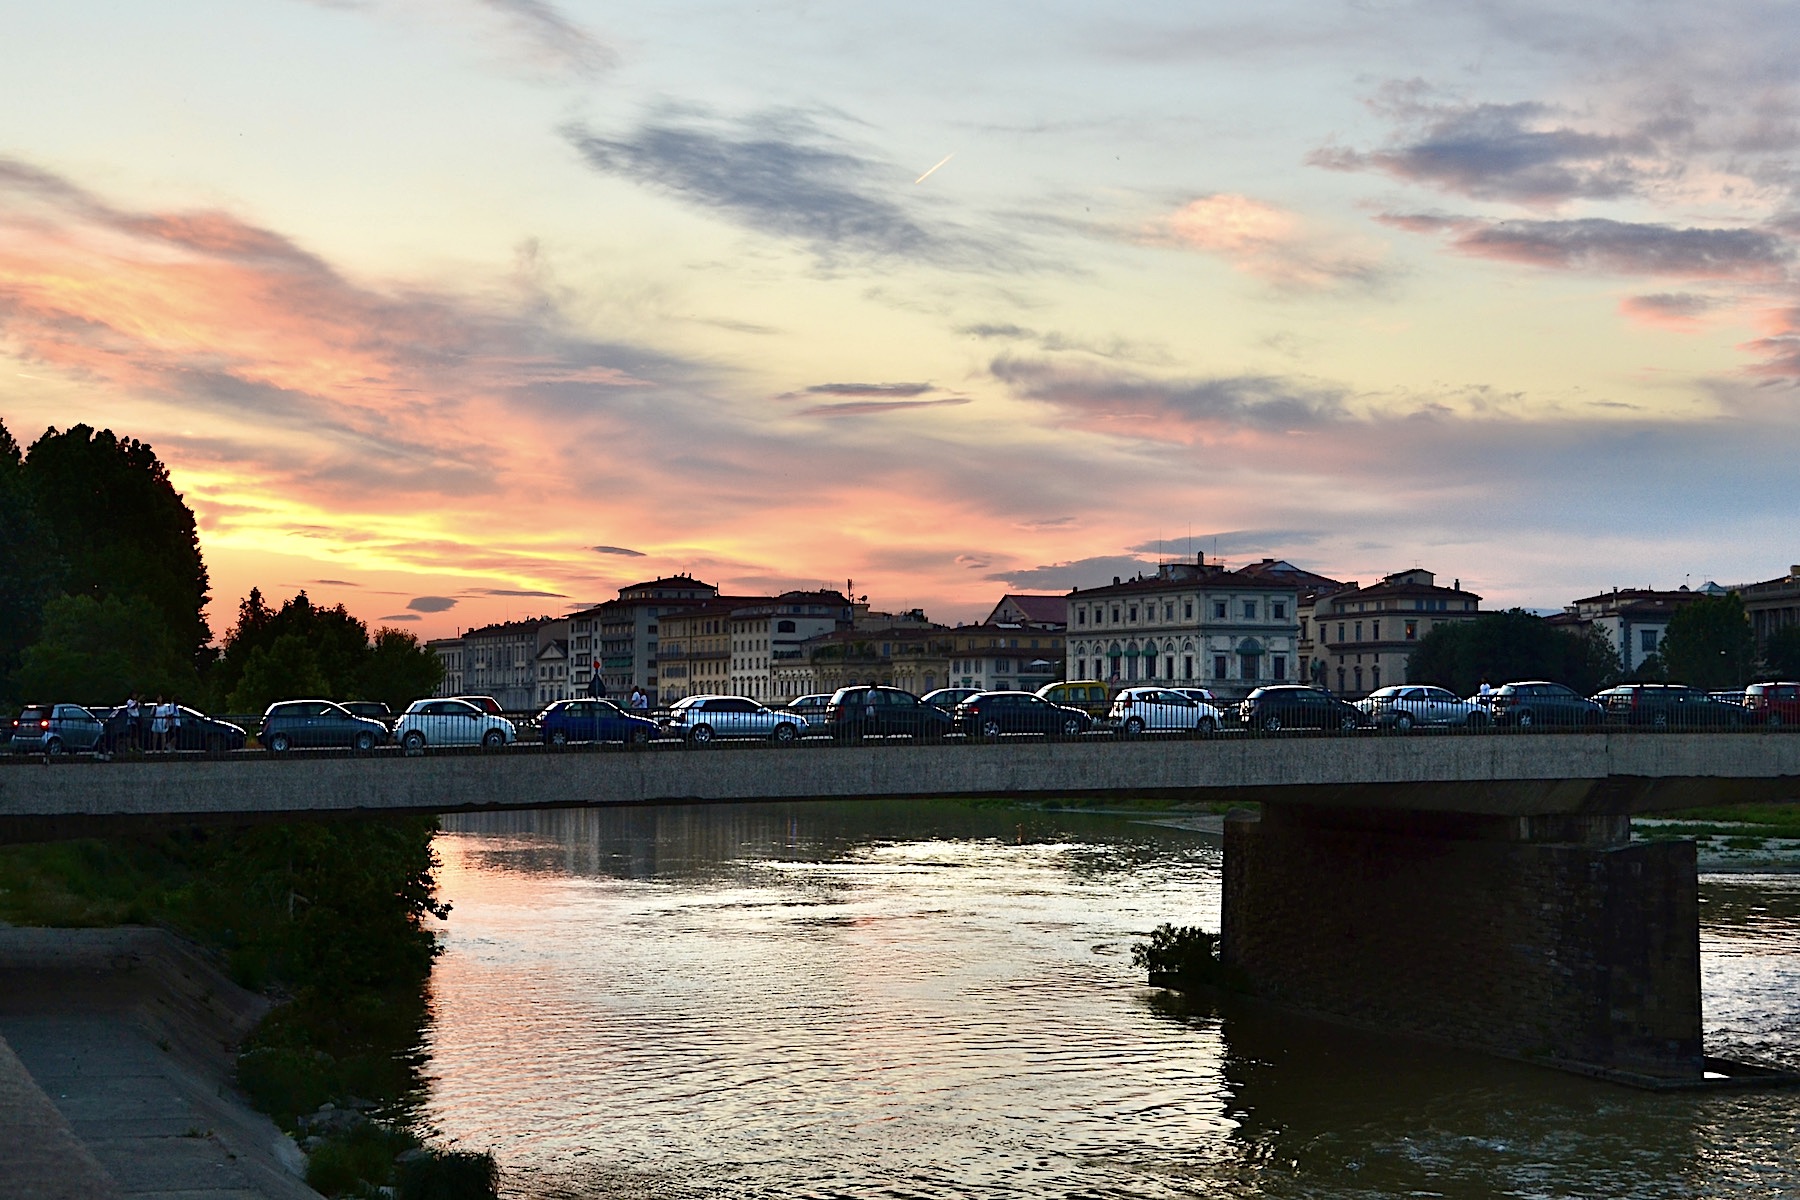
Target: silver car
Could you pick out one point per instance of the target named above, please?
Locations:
(1403, 706)
(56, 729)
(450, 723)
(1138, 709)
(700, 719)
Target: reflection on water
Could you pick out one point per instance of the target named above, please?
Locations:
(938, 1000)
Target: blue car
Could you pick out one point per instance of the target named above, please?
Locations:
(591, 721)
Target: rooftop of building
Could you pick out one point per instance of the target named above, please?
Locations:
(1039, 610)
(1415, 582)
(1181, 574)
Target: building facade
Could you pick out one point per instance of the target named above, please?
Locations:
(502, 661)
(775, 631)
(450, 653)
(628, 632)
(1632, 620)
(1367, 635)
(1772, 604)
(1190, 623)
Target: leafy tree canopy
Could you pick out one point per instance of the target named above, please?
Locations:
(123, 529)
(99, 651)
(303, 650)
(31, 570)
(399, 670)
(1500, 647)
(1709, 644)
(1781, 652)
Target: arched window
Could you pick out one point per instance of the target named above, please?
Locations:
(784, 627)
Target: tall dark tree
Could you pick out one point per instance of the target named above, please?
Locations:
(1781, 652)
(399, 670)
(123, 529)
(336, 643)
(99, 651)
(1709, 644)
(1501, 647)
(31, 570)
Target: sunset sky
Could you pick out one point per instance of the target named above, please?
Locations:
(456, 310)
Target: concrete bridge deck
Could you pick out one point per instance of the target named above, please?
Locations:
(1612, 772)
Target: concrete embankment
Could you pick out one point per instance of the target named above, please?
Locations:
(116, 1049)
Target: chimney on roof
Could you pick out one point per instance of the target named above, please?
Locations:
(1794, 571)
(1115, 581)
(1458, 586)
(1200, 559)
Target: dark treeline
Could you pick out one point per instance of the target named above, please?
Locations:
(1502, 647)
(103, 593)
(1708, 644)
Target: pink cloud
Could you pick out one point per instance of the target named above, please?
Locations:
(1263, 240)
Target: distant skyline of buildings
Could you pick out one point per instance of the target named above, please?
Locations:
(1193, 623)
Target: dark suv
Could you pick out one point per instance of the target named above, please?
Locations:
(1295, 706)
(1535, 702)
(1773, 703)
(1668, 706)
(861, 711)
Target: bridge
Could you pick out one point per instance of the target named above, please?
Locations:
(1483, 890)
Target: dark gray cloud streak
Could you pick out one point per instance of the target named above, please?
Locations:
(431, 604)
(1615, 247)
(619, 550)
(782, 174)
(1264, 402)
(1503, 152)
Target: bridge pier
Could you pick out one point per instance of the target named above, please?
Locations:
(1548, 938)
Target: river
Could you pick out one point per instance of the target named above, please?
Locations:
(937, 1000)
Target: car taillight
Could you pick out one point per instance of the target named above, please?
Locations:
(43, 724)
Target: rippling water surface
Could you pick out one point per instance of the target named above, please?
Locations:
(938, 1001)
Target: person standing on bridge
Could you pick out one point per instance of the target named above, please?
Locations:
(159, 725)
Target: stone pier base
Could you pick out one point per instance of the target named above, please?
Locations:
(1546, 938)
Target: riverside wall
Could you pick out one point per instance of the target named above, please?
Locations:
(1553, 940)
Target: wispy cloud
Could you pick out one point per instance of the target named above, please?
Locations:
(784, 174)
(863, 408)
(1524, 152)
(1677, 312)
(1180, 410)
(621, 551)
(870, 390)
(553, 37)
(1266, 241)
(1606, 246)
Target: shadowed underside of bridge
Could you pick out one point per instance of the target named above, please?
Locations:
(1482, 890)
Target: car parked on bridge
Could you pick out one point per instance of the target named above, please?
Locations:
(1138, 710)
(588, 720)
(1531, 703)
(295, 724)
(55, 729)
(451, 722)
(810, 709)
(1773, 704)
(1296, 706)
(991, 714)
(195, 730)
(1091, 696)
(375, 710)
(947, 698)
(868, 711)
(702, 719)
(1400, 707)
(1669, 706)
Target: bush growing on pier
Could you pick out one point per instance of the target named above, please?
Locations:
(1181, 957)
